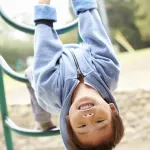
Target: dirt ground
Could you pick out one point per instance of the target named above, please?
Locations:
(134, 109)
(132, 95)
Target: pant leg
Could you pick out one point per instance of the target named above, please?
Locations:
(39, 113)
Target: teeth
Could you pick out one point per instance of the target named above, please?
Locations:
(85, 106)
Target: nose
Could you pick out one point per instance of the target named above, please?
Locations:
(87, 115)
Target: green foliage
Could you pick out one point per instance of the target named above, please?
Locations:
(14, 50)
(143, 18)
(122, 18)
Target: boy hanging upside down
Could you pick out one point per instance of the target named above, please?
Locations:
(77, 81)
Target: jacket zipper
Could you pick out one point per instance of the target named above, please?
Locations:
(79, 73)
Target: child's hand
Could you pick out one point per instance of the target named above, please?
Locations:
(44, 2)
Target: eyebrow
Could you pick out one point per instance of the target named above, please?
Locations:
(102, 128)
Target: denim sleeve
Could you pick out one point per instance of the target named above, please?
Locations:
(93, 33)
(83, 5)
(47, 54)
(46, 12)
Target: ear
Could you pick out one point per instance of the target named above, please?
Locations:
(67, 118)
(113, 108)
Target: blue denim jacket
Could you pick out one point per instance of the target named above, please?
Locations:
(56, 66)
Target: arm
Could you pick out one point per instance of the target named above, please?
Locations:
(93, 33)
(47, 52)
(44, 2)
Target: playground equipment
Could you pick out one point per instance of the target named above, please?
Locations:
(8, 124)
(30, 30)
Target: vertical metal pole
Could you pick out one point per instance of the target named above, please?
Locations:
(79, 38)
(4, 114)
(103, 13)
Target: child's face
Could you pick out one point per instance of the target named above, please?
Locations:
(90, 118)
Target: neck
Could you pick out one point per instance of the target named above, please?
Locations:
(83, 90)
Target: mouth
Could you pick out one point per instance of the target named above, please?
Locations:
(85, 106)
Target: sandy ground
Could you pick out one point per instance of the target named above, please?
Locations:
(135, 113)
(135, 71)
(133, 95)
(135, 145)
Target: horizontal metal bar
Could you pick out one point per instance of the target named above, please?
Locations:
(30, 30)
(30, 132)
(6, 68)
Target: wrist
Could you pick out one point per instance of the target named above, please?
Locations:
(44, 2)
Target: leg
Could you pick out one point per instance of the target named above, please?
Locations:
(42, 117)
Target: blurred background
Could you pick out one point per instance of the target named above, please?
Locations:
(127, 22)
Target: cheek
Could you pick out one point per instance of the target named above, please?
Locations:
(105, 112)
(73, 122)
(74, 119)
(71, 114)
(71, 110)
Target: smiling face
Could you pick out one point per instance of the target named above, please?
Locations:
(90, 119)
(90, 115)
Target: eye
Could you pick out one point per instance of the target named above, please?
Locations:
(99, 121)
(82, 126)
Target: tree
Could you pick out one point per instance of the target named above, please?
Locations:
(122, 18)
(143, 18)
